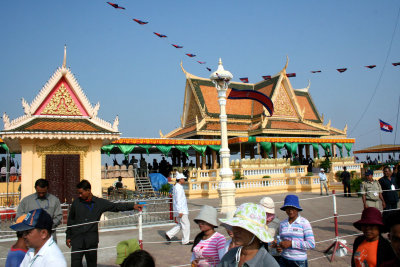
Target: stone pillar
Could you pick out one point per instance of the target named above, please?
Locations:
(214, 159)
(197, 159)
(274, 151)
(315, 152)
(242, 150)
(307, 151)
(203, 162)
(333, 150)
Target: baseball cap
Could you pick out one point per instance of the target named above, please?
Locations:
(38, 218)
(369, 172)
(322, 170)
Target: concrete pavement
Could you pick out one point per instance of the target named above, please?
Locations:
(166, 254)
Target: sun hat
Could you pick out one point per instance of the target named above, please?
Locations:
(291, 201)
(370, 215)
(38, 218)
(369, 172)
(226, 226)
(268, 204)
(251, 217)
(322, 170)
(179, 176)
(207, 214)
(126, 247)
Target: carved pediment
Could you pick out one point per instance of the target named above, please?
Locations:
(61, 103)
(61, 146)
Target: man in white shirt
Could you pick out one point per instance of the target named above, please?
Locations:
(323, 180)
(43, 251)
(181, 212)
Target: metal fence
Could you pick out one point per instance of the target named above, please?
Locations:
(157, 210)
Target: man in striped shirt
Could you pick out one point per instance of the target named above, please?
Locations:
(296, 235)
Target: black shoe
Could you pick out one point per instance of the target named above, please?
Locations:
(188, 244)
(167, 237)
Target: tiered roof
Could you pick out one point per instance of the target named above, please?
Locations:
(295, 113)
(60, 110)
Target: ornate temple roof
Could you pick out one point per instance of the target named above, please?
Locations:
(60, 110)
(295, 113)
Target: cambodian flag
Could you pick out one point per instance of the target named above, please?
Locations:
(254, 95)
(386, 127)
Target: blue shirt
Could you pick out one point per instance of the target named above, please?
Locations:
(15, 257)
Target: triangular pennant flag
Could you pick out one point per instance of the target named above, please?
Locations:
(140, 21)
(245, 79)
(370, 66)
(267, 77)
(190, 55)
(115, 5)
(341, 70)
(290, 75)
(177, 46)
(315, 71)
(160, 35)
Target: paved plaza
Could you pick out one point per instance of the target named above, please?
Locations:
(314, 207)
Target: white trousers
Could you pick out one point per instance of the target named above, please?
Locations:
(184, 225)
(325, 184)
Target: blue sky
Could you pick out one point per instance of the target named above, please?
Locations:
(136, 75)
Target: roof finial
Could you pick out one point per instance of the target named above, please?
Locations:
(64, 65)
(220, 61)
(287, 62)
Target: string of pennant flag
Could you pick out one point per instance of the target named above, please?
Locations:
(191, 55)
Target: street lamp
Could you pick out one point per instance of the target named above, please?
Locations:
(226, 188)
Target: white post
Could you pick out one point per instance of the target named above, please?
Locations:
(140, 220)
(226, 187)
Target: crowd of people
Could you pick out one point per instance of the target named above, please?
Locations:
(256, 237)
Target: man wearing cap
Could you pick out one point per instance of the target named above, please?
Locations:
(389, 189)
(87, 210)
(181, 211)
(43, 251)
(323, 181)
(42, 200)
(371, 192)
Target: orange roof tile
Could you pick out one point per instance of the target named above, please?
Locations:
(291, 125)
(231, 127)
(304, 103)
(62, 126)
(184, 130)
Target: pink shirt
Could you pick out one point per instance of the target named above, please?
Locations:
(209, 252)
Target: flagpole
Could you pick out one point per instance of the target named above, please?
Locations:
(380, 138)
(395, 130)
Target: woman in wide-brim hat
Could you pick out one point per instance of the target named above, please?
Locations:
(296, 235)
(371, 249)
(249, 230)
(209, 245)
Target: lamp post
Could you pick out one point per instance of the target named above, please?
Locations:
(226, 188)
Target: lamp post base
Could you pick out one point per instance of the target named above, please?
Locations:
(226, 190)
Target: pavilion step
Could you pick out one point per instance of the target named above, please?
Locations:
(143, 185)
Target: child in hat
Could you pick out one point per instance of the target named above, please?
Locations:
(209, 245)
(296, 234)
(370, 249)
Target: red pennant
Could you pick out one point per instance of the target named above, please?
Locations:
(115, 5)
(396, 64)
(341, 70)
(140, 21)
(315, 71)
(370, 66)
(245, 80)
(290, 75)
(160, 35)
(267, 77)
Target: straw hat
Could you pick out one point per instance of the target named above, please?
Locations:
(251, 217)
(268, 204)
(207, 214)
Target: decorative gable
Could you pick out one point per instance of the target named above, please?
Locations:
(61, 101)
(283, 107)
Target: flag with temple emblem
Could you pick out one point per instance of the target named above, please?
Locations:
(386, 127)
(254, 95)
(244, 80)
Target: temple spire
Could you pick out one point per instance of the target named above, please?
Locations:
(64, 65)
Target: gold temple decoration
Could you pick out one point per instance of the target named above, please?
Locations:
(62, 148)
(61, 104)
(282, 104)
